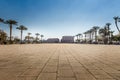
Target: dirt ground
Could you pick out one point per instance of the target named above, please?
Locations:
(59, 62)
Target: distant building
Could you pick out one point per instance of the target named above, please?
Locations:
(67, 39)
(52, 40)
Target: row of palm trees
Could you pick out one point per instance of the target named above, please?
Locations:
(21, 28)
(105, 34)
(92, 33)
(30, 39)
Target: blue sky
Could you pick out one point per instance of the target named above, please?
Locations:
(55, 18)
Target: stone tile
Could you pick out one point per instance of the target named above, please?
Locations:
(50, 69)
(100, 74)
(116, 76)
(64, 68)
(85, 77)
(80, 70)
(35, 66)
(65, 73)
(31, 72)
(75, 64)
(26, 78)
(66, 79)
(91, 67)
(47, 76)
(110, 70)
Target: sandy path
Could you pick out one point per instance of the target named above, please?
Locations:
(59, 62)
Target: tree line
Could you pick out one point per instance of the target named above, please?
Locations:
(4, 38)
(99, 34)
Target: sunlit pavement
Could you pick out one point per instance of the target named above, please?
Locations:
(59, 62)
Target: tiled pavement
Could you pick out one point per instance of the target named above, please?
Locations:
(59, 62)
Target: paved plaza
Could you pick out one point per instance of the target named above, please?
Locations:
(59, 62)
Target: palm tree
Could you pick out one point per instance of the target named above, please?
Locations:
(104, 33)
(108, 30)
(11, 22)
(95, 28)
(41, 37)
(108, 26)
(90, 35)
(85, 36)
(16, 39)
(79, 35)
(37, 34)
(26, 38)
(21, 28)
(116, 18)
(29, 37)
(111, 36)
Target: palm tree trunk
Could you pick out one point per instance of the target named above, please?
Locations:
(90, 37)
(95, 36)
(85, 38)
(21, 36)
(28, 39)
(10, 33)
(79, 39)
(110, 37)
(36, 38)
(117, 27)
(41, 39)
